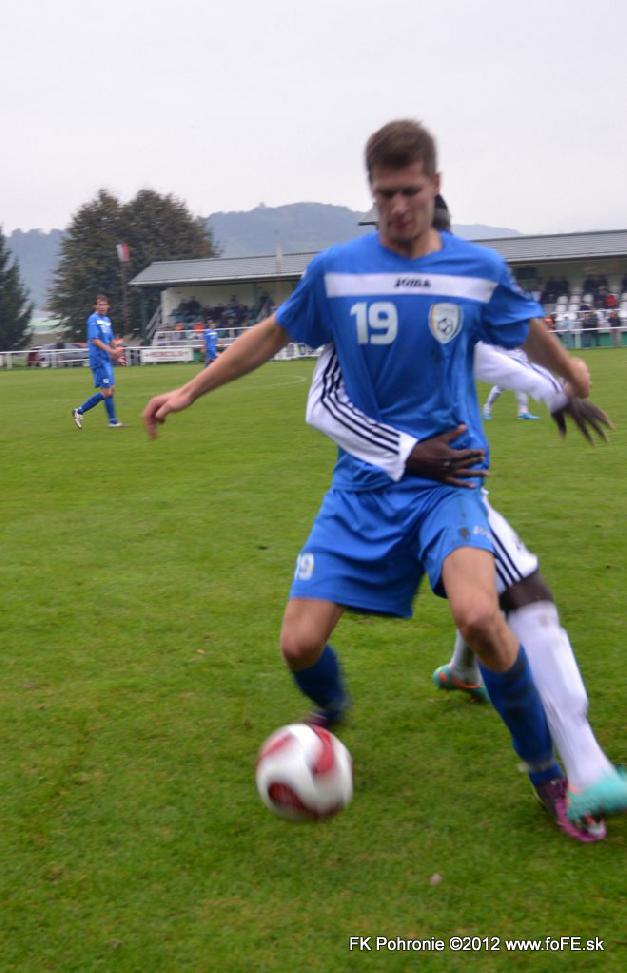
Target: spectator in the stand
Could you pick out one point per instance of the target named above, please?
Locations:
(611, 301)
(549, 294)
(591, 329)
(614, 321)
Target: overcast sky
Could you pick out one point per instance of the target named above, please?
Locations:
(228, 103)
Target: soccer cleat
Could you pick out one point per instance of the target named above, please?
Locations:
(445, 677)
(78, 418)
(486, 413)
(608, 795)
(116, 425)
(527, 415)
(552, 794)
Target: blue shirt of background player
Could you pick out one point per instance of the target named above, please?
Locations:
(98, 326)
(211, 346)
(404, 331)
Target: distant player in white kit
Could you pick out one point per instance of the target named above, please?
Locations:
(522, 399)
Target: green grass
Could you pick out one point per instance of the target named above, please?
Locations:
(143, 586)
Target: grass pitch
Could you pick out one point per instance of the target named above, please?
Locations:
(143, 586)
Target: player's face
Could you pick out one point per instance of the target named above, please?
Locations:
(102, 307)
(404, 199)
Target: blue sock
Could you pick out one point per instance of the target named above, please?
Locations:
(90, 403)
(110, 407)
(516, 699)
(323, 682)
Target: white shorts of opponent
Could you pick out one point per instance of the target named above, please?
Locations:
(512, 560)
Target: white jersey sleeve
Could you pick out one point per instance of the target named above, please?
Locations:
(514, 371)
(331, 412)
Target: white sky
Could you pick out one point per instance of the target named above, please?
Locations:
(227, 103)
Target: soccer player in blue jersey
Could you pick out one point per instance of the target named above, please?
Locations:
(103, 355)
(210, 337)
(404, 308)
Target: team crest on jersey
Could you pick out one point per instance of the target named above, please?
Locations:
(445, 321)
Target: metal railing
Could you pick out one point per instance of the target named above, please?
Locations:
(191, 348)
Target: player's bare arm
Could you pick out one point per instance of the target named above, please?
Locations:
(250, 350)
(544, 349)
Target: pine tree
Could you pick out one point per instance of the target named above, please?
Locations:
(155, 227)
(15, 307)
(88, 265)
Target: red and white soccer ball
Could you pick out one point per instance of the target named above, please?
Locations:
(304, 773)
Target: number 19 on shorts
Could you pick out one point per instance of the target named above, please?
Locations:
(377, 323)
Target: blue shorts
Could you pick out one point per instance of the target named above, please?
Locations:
(369, 551)
(103, 375)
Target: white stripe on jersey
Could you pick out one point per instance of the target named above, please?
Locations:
(429, 285)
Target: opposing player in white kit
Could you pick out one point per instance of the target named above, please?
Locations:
(594, 786)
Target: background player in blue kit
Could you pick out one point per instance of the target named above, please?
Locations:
(103, 355)
(404, 308)
(210, 337)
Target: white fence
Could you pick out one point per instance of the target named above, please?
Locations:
(190, 347)
(135, 355)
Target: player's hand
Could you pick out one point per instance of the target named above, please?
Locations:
(161, 406)
(436, 459)
(586, 416)
(578, 385)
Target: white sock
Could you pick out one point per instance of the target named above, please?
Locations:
(464, 662)
(557, 677)
(523, 402)
(495, 393)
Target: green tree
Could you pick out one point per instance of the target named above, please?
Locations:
(15, 307)
(88, 265)
(155, 227)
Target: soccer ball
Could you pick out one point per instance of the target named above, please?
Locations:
(304, 773)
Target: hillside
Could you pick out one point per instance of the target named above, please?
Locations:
(37, 253)
(296, 228)
(304, 227)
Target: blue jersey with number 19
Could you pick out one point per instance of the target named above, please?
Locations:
(404, 332)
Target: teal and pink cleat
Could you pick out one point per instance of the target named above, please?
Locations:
(608, 795)
(553, 795)
(445, 677)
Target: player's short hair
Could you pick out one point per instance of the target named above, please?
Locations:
(399, 144)
(441, 214)
(102, 297)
